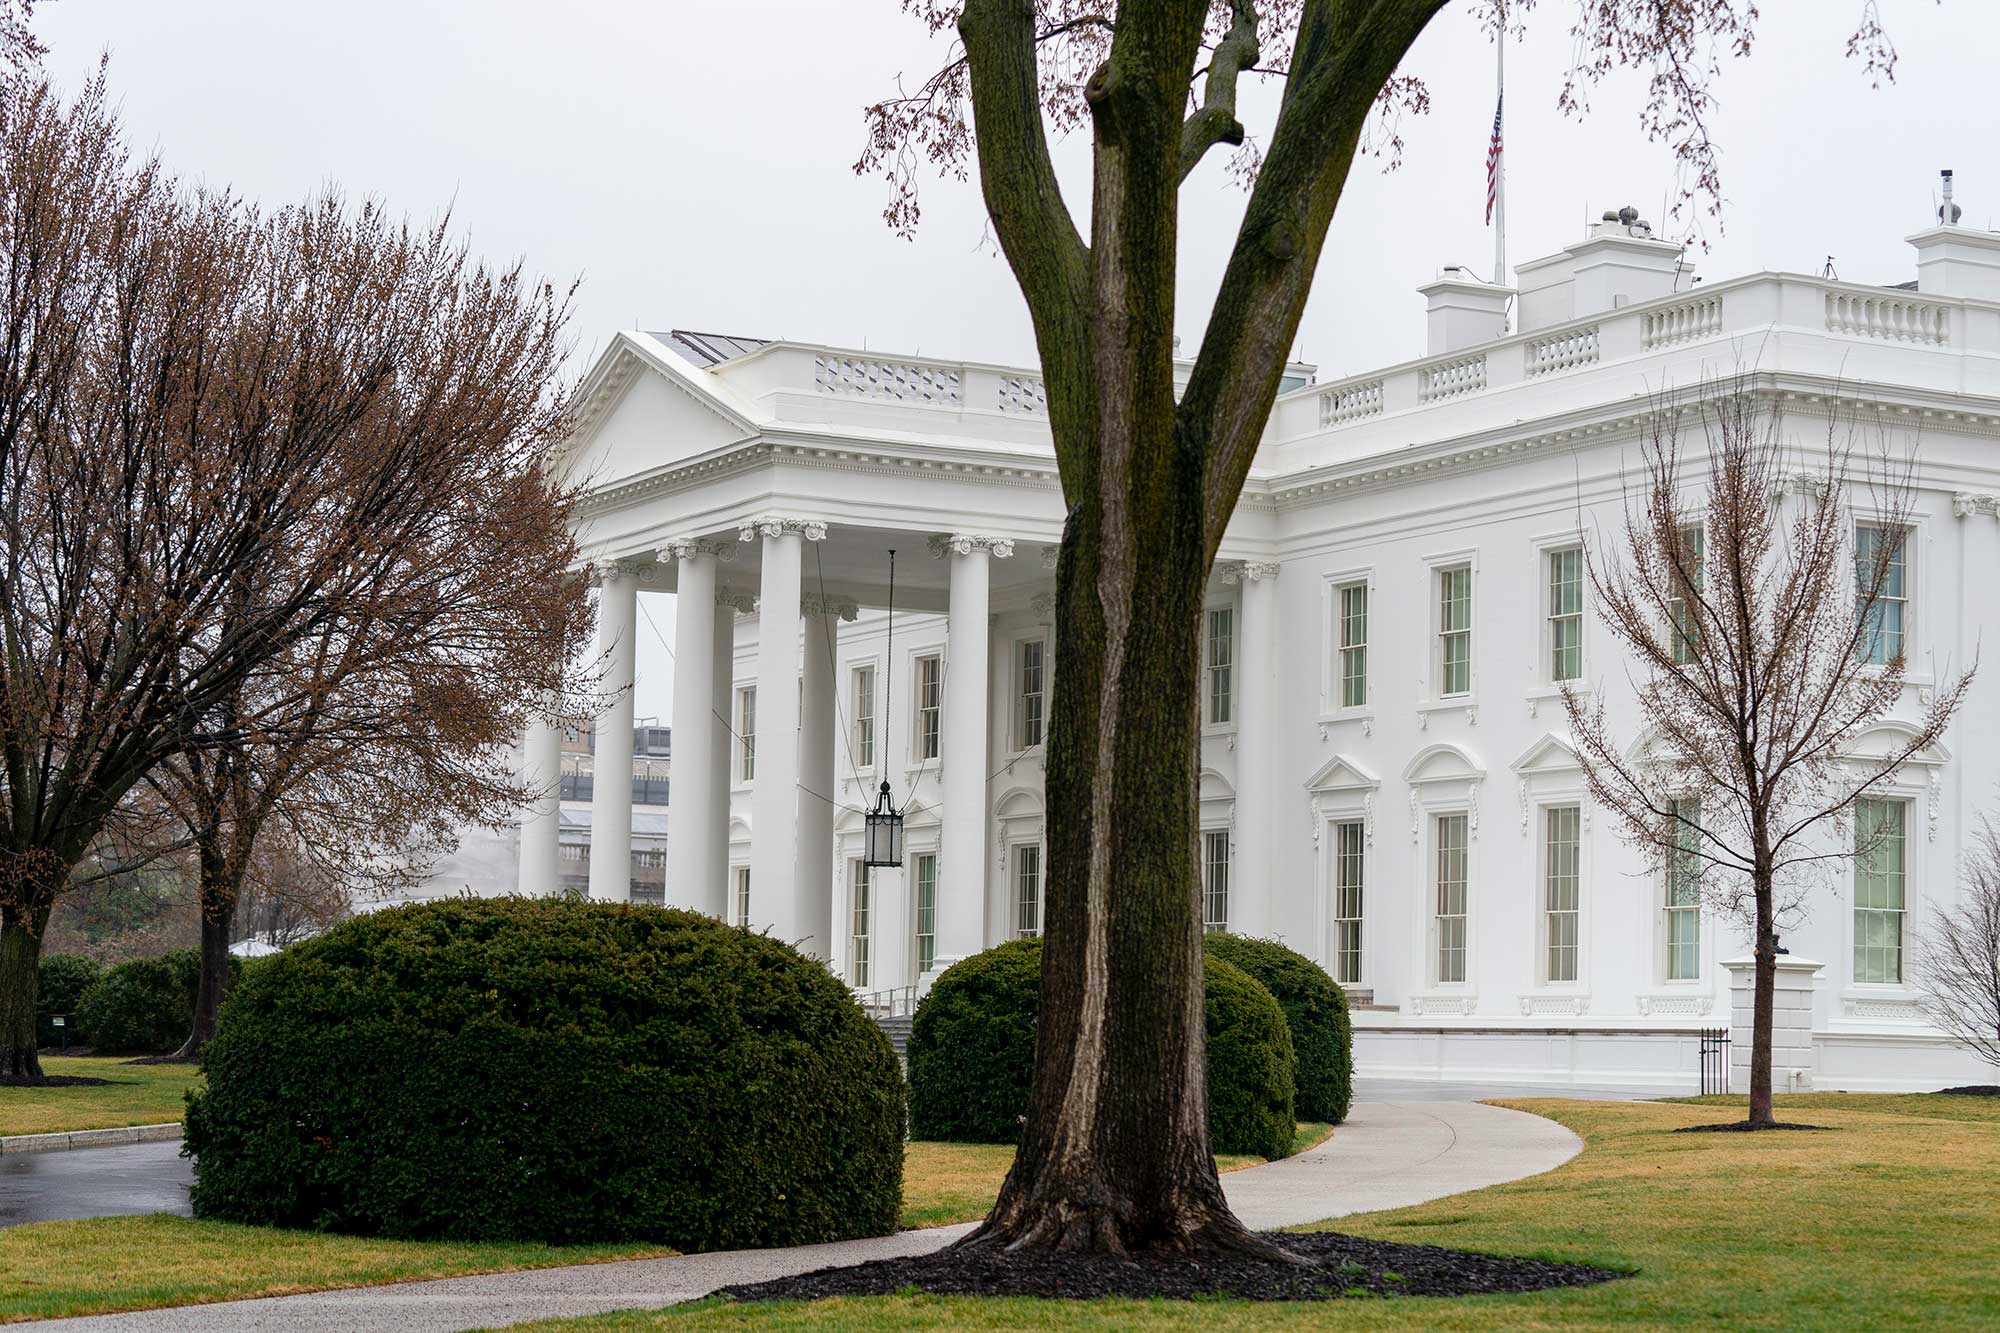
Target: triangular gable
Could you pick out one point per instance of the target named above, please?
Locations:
(1443, 762)
(641, 408)
(1550, 754)
(1342, 774)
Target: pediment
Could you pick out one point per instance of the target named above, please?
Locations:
(1342, 774)
(641, 408)
(1020, 803)
(1890, 737)
(1214, 787)
(1550, 754)
(1444, 762)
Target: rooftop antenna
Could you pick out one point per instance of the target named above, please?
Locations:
(1948, 212)
(1826, 270)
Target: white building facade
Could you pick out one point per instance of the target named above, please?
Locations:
(1388, 784)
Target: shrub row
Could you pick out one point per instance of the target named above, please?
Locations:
(1315, 1013)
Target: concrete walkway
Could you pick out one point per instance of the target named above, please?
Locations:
(1388, 1155)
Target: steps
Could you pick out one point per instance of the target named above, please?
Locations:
(897, 1029)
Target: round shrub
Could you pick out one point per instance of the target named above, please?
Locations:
(60, 981)
(1316, 1012)
(551, 1070)
(972, 1055)
(144, 1005)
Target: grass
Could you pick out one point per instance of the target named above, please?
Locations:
(136, 1095)
(1885, 1223)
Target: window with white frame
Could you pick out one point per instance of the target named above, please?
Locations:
(1880, 881)
(930, 705)
(1561, 883)
(1883, 551)
(1449, 882)
(746, 734)
(864, 717)
(1215, 880)
(1686, 571)
(1031, 693)
(741, 898)
(857, 940)
(1565, 614)
(1027, 890)
(926, 875)
(1351, 612)
(1348, 868)
(1454, 661)
(1683, 905)
(1221, 652)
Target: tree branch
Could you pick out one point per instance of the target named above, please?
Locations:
(1215, 122)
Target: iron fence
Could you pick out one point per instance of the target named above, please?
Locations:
(1714, 1061)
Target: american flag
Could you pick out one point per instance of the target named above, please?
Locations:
(1493, 160)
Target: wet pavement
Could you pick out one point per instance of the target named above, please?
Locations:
(94, 1182)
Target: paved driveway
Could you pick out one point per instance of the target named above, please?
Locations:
(93, 1182)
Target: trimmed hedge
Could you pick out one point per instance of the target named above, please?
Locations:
(972, 1054)
(146, 1004)
(552, 1070)
(60, 981)
(1316, 1012)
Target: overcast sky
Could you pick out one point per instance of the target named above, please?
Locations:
(690, 160)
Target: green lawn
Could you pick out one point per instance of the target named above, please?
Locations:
(1885, 1223)
(136, 1095)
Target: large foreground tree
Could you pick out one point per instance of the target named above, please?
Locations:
(1115, 1156)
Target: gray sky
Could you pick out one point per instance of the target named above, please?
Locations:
(690, 160)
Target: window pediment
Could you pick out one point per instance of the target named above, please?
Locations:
(1443, 762)
(1342, 774)
(1550, 754)
(1889, 737)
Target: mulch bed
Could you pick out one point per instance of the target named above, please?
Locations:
(1970, 1090)
(1337, 1266)
(52, 1081)
(1748, 1127)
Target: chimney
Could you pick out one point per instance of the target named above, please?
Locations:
(1620, 263)
(1954, 260)
(1463, 311)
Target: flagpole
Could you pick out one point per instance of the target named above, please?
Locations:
(1500, 165)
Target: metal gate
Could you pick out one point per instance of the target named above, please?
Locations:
(1714, 1060)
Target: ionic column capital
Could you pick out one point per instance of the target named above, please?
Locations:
(813, 604)
(1050, 555)
(1967, 503)
(623, 569)
(1043, 604)
(1249, 571)
(682, 548)
(965, 543)
(744, 602)
(773, 525)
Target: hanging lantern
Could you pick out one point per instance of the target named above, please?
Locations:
(882, 844)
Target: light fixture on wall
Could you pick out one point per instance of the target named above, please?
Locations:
(882, 842)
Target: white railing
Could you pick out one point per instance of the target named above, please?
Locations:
(1563, 351)
(1023, 395)
(1448, 379)
(1686, 322)
(1894, 318)
(1348, 402)
(893, 381)
(898, 1003)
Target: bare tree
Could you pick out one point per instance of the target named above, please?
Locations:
(1754, 616)
(224, 440)
(1958, 966)
(1115, 1155)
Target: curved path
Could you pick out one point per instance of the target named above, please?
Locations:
(1387, 1155)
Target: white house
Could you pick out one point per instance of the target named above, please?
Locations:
(1387, 784)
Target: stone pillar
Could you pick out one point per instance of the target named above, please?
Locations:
(775, 893)
(1256, 751)
(611, 760)
(815, 884)
(721, 700)
(541, 822)
(692, 871)
(1792, 1061)
(961, 900)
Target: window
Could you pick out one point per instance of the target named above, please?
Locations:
(1450, 837)
(741, 916)
(1879, 890)
(926, 911)
(1684, 895)
(1353, 644)
(857, 940)
(1566, 614)
(1027, 890)
(1347, 871)
(1884, 628)
(1686, 572)
(746, 734)
(930, 704)
(864, 717)
(1215, 880)
(1221, 663)
(1561, 862)
(1033, 656)
(1455, 630)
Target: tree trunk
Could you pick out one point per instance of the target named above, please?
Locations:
(20, 963)
(221, 883)
(1763, 1000)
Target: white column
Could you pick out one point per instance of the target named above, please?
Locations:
(722, 744)
(814, 883)
(961, 900)
(692, 872)
(1256, 751)
(611, 760)
(541, 822)
(774, 805)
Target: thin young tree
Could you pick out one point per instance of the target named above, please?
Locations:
(1115, 1156)
(1754, 613)
(1958, 965)
(220, 442)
